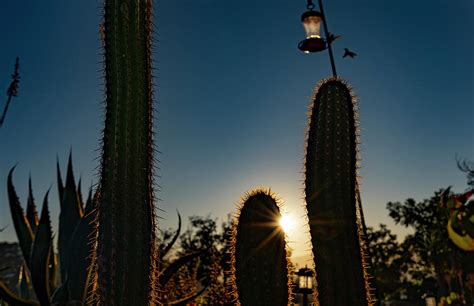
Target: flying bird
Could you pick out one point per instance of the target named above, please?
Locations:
(332, 38)
(349, 53)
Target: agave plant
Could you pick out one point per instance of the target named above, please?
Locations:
(41, 261)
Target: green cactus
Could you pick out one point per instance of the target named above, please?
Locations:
(259, 258)
(126, 251)
(332, 197)
(36, 242)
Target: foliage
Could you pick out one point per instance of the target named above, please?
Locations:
(429, 253)
(36, 241)
(332, 197)
(204, 275)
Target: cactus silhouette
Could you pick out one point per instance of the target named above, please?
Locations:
(258, 253)
(332, 197)
(126, 252)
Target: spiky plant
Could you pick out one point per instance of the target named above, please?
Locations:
(259, 259)
(36, 243)
(126, 252)
(332, 197)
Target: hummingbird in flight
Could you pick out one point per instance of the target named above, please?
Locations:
(349, 53)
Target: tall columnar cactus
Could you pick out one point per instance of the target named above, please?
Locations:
(126, 252)
(332, 197)
(258, 253)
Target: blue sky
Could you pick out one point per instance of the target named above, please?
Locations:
(232, 92)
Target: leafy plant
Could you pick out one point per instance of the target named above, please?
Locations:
(36, 242)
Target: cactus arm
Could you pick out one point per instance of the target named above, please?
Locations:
(126, 252)
(20, 222)
(258, 253)
(331, 193)
(40, 256)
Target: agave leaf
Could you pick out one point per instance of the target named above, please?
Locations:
(40, 254)
(60, 181)
(61, 295)
(79, 267)
(168, 247)
(21, 224)
(79, 193)
(31, 213)
(176, 265)
(12, 299)
(69, 217)
(53, 269)
(24, 283)
(189, 298)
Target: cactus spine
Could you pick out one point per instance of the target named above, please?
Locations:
(259, 258)
(332, 197)
(126, 255)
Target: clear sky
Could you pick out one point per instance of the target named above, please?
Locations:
(232, 94)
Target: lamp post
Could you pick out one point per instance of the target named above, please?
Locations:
(305, 283)
(311, 20)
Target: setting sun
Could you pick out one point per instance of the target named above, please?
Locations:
(287, 223)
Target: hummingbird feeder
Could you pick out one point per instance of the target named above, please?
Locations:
(312, 25)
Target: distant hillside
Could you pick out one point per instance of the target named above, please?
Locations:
(10, 263)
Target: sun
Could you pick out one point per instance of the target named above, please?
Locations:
(287, 223)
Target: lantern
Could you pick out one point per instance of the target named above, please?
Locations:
(305, 283)
(312, 25)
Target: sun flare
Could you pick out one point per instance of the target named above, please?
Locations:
(287, 223)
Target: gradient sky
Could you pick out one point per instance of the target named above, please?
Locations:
(232, 94)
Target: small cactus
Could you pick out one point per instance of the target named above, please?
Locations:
(332, 197)
(259, 258)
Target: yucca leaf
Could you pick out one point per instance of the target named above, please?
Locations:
(31, 213)
(189, 298)
(12, 299)
(21, 224)
(40, 254)
(69, 217)
(168, 273)
(79, 267)
(168, 247)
